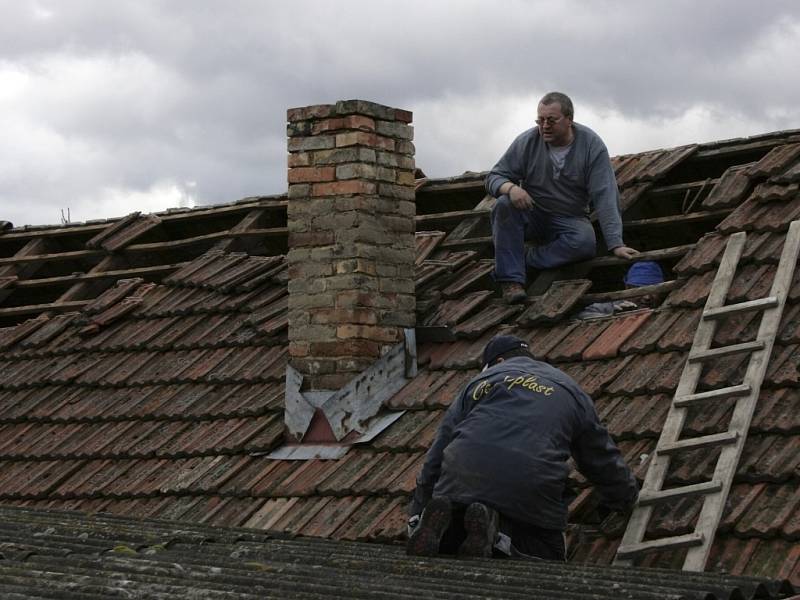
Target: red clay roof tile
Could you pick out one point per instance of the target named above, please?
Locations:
(579, 338)
(559, 299)
(622, 327)
(775, 161)
(732, 188)
(485, 320)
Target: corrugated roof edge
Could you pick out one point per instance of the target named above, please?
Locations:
(251, 562)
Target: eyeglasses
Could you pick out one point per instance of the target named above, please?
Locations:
(549, 121)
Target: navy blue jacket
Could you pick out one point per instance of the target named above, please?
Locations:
(506, 440)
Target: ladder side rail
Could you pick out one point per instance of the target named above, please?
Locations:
(676, 417)
(711, 513)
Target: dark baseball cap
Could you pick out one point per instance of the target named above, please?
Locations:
(499, 345)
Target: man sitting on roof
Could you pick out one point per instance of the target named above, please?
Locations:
(495, 477)
(544, 185)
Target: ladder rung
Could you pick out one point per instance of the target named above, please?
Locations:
(761, 303)
(708, 487)
(726, 351)
(727, 437)
(726, 392)
(678, 541)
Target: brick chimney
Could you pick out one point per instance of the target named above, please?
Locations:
(351, 262)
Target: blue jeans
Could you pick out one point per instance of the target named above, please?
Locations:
(561, 240)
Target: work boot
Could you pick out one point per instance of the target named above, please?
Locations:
(425, 539)
(480, 522)
(513, 293)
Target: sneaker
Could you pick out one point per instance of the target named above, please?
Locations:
(425, 539)
(480, 522)
(513, 293)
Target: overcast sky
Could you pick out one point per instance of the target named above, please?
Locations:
(107, 107)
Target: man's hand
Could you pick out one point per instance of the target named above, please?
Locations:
(520, 198)
(625, 252)
(413, 523)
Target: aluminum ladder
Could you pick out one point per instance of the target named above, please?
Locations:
(731, 442)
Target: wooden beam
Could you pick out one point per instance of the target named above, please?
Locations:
(466, 243)
(682, 187)
(271, 203)
(695, 217)
(663, 254)
(743, 148)
(55, 257)
(100, 275)
(18, 311)
(457, 215)
(52, 232)
(209, 237)
(659, 288)
(433, 187)
(274, 203)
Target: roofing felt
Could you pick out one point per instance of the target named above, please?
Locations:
(56, 554)
(151, 383)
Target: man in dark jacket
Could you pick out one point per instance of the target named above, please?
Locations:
(499, 460)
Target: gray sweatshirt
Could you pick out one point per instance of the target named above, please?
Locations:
(586, 181)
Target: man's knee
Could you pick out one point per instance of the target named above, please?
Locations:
(582, 243)
(503, 210)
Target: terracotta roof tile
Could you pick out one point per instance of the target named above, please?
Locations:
(706, 254)
(11, 335)
(680, 335)
(668, 160)
(725, 371)
(779, 215)
(639, 415)
(622, 327)
(468, 277)
(736, 328)
(654, 373)
(451, 312)
(783, 366)
(594, 376)
(426, 243)
(579, 338)
(486, 319)
(775, 161)
(559, 299)
(778, 411)
(407, 432)
(744, 217)
(645, 338)
(47, 331)
(766, 517)
(303, 480)
(630, 194)
(355, 466)
(790, 175)
(635, 168)
(751, 282)
(775, 192)
(732, 188)
(330, 517)
(379, 479)
(258, 477)
(693, 292)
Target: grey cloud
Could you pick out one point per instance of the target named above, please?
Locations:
(201, 88)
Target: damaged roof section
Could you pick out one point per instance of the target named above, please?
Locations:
(151, 382)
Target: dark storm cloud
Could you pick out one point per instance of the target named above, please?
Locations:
(108, 106)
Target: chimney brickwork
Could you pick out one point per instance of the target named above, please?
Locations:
(351, 237)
